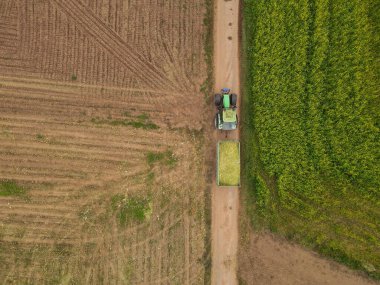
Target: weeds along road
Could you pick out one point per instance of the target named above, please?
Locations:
(225, 201)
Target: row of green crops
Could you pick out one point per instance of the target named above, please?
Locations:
(311, 124)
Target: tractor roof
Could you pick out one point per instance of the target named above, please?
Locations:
(229, 115)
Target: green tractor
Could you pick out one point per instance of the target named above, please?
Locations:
(226, 118)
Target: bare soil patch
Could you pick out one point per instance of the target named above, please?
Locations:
(267, 259)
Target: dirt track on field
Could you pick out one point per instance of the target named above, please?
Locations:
(225, 201)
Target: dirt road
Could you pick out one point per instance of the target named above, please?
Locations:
(225, 202)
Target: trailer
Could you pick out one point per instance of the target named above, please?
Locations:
(228, 163)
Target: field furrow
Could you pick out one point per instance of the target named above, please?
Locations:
(95, 117)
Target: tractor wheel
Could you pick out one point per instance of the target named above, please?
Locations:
(218, 100)
(216, 123)
(233, 100)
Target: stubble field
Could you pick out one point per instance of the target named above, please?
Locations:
(101, 148)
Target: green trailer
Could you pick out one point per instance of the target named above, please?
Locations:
(228, 163)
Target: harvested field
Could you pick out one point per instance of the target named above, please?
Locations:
(96, 129)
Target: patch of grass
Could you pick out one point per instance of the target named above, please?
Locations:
(7, 133)
(171, 159)
(11, 188)
(167, 158)
(128, 272)
(241, 281)
(52, 141)
(146, 125)
(63, 249)
(40, 137)
(143, 117)
(153, 157)
(131, 209)
(89, 247)
(98, 121)
(150, 178)
(310, 129)
(86, 213)
(137, 124)
(20, 232)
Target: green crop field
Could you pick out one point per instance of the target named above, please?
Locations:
(311, 140)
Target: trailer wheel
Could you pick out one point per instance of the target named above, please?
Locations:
(233, 100)
(217, 100)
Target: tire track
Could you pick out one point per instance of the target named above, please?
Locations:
(106, 37)
(49, 85)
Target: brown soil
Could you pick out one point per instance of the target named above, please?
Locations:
(69, 72)
(267, 260)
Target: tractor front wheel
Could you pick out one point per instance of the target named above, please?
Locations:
(218, 100)
(233, 100)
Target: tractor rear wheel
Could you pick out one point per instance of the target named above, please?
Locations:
(216, 123)
(218, 100)
(233, 100)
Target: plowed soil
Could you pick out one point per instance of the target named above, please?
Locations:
(88, 89)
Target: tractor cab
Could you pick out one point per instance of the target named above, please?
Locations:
(226, 117)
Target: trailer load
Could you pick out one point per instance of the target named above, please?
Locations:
(228, 163)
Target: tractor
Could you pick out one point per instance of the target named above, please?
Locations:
(226, 118)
